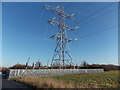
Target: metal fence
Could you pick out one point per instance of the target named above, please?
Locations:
(49, 72)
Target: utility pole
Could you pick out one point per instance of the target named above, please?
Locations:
(61, 55)
(48, 63)
(27, 62)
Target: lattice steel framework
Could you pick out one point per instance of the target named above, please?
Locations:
(61, 55)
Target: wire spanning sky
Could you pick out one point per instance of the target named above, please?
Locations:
(26, 32)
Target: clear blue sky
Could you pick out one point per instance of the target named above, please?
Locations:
(26, 32)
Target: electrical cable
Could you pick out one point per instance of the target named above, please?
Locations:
(96, 12)
(109, 28)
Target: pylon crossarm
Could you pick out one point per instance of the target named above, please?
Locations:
(51, 9)
(70, 17)
(52, 22)
(55, 36)
(58, 11)
(70, 28)
(69, 40)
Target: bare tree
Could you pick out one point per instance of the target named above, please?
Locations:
(84, 63)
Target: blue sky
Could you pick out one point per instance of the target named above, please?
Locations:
(25, 32)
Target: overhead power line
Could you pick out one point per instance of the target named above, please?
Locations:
(93, 14)
(97, 32)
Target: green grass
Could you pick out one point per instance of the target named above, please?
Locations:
(90, 80)
(102, 80)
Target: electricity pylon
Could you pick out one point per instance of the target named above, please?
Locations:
(61, 55)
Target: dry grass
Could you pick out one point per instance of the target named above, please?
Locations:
(38, 82)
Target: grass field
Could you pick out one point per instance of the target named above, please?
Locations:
(91, 80)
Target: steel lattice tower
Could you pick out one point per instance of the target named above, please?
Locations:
(61, 55)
